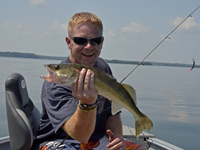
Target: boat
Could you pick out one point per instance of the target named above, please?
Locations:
(23, 120)
(148, 140)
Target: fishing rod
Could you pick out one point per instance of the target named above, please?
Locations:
(190, 15)
(141, 62)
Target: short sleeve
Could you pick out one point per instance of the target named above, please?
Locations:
(59, 103)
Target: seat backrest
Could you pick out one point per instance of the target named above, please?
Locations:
(22, 116)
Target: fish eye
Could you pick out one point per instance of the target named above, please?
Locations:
(57, 67)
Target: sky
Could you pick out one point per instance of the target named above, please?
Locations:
(132, 28)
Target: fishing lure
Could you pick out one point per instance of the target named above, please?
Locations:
(192, 65)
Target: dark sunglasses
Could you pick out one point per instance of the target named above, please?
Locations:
(83, 41)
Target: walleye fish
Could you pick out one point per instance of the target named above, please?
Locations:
(121, 95)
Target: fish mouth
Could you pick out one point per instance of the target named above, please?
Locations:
(51, 73)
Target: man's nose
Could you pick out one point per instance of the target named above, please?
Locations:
(88, 45)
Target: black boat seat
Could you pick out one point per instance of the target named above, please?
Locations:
(22, 115)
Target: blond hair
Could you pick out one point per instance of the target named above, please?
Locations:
(84, 17)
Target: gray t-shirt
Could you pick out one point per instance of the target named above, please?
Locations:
(58, 105)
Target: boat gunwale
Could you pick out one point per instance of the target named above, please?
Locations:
(4, 140)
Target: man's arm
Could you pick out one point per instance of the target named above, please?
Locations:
(114, 124)
(82, 124)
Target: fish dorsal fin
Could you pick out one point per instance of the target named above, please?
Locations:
(116, 108)
(131, 91)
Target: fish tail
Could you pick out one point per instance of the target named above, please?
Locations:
(143, 123)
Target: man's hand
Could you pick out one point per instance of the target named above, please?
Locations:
(116, 142)
(83, 89)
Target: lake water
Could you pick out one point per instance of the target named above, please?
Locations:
(169, 96)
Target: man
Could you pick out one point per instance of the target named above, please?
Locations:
(71, 112)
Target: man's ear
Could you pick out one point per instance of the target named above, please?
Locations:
(69, 42)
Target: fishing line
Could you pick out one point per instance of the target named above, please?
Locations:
(61, 142)
(167, 37)
(190, 15)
